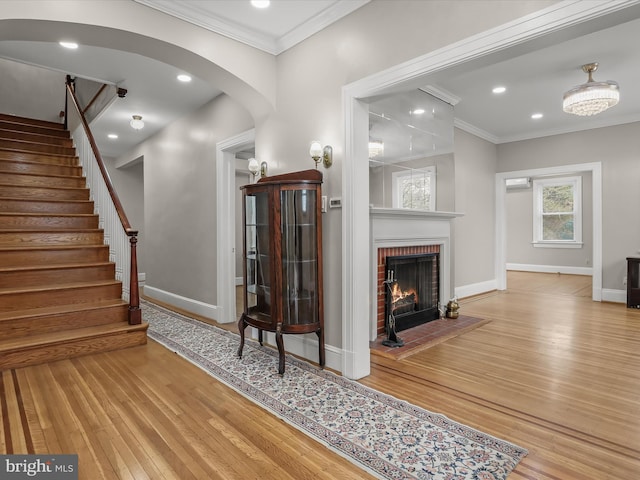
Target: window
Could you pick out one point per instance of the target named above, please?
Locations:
(557, 212)
(415, 189)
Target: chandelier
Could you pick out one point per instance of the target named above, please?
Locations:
(592, 97)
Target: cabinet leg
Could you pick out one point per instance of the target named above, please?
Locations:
(280, 345)
(260, 337)
(241, 327)
(320, 334)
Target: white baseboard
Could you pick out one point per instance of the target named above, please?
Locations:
(523, 267)
(616, 296)
(474, 289)
(188, 304)
(306, 346)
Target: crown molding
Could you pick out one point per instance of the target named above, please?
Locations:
(189, 12)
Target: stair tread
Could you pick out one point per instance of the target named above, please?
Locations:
(48, 154)
(62, 309)
(50, 230)
(38, 248)
(69, 335)
(44, 214)
(59, 286)
(48, 200)
(43, 175)
(57, 266)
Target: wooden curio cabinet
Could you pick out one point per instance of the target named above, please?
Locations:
(283, 258)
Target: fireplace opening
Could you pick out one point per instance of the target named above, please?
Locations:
(412, 290)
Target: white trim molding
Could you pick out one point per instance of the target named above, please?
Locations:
(567, 270)
(476, 288)
(184, 303)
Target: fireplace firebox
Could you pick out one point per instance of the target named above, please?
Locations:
(412, 290)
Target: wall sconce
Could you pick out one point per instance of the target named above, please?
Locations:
(137, 123)
(318, 153)
(254, 167)
(257, 168)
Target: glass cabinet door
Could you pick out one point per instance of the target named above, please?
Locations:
(299, 257)
(258, 253)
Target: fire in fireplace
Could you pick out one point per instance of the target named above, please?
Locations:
(412, 294)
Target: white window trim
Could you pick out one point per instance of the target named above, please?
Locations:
(538, 185)
(396, 192)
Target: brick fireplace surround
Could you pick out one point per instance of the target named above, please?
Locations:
(383, 253)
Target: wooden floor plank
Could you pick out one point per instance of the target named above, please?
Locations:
(553, 372)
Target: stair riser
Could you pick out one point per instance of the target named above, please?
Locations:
(58, 276)
(10, 134)
(21, 327)
(48, 221)
(34, 206)
(39, 193)
(53, 256)
(41, 180)
(49, 353)
(32, 122)
(39, 157)
(62, 296)
(40, 168)
(36, 147)
(37, 239)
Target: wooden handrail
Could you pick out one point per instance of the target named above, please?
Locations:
(135, 314)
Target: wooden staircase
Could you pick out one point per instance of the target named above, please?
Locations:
(58, 294)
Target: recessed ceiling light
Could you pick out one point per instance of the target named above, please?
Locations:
(184, 78)
(260, 3)
(499, 89)
(69, 45)
(536, 116)
(113, 136)
(418, 111)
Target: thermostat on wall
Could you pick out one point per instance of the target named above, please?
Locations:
(335, 202)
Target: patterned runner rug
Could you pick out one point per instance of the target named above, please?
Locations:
(389, 438)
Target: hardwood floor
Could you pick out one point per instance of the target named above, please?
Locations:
(553, 372)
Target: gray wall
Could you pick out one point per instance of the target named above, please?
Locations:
(618, 149)
(180, 198)
(31, 92)
(474, 233)
(129, 184)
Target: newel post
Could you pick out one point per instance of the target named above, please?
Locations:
(135, 314)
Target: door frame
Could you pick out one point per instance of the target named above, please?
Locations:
(225, 214)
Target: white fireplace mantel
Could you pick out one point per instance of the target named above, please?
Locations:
(392, 227)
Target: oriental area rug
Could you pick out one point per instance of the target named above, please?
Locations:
(387, 437)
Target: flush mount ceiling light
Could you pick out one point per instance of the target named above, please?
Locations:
(592, 97)
(498, 90)
(260, 3)
(137, 123)
(184, 78)
(69, 45)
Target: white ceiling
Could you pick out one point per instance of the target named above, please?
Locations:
(535, 80)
